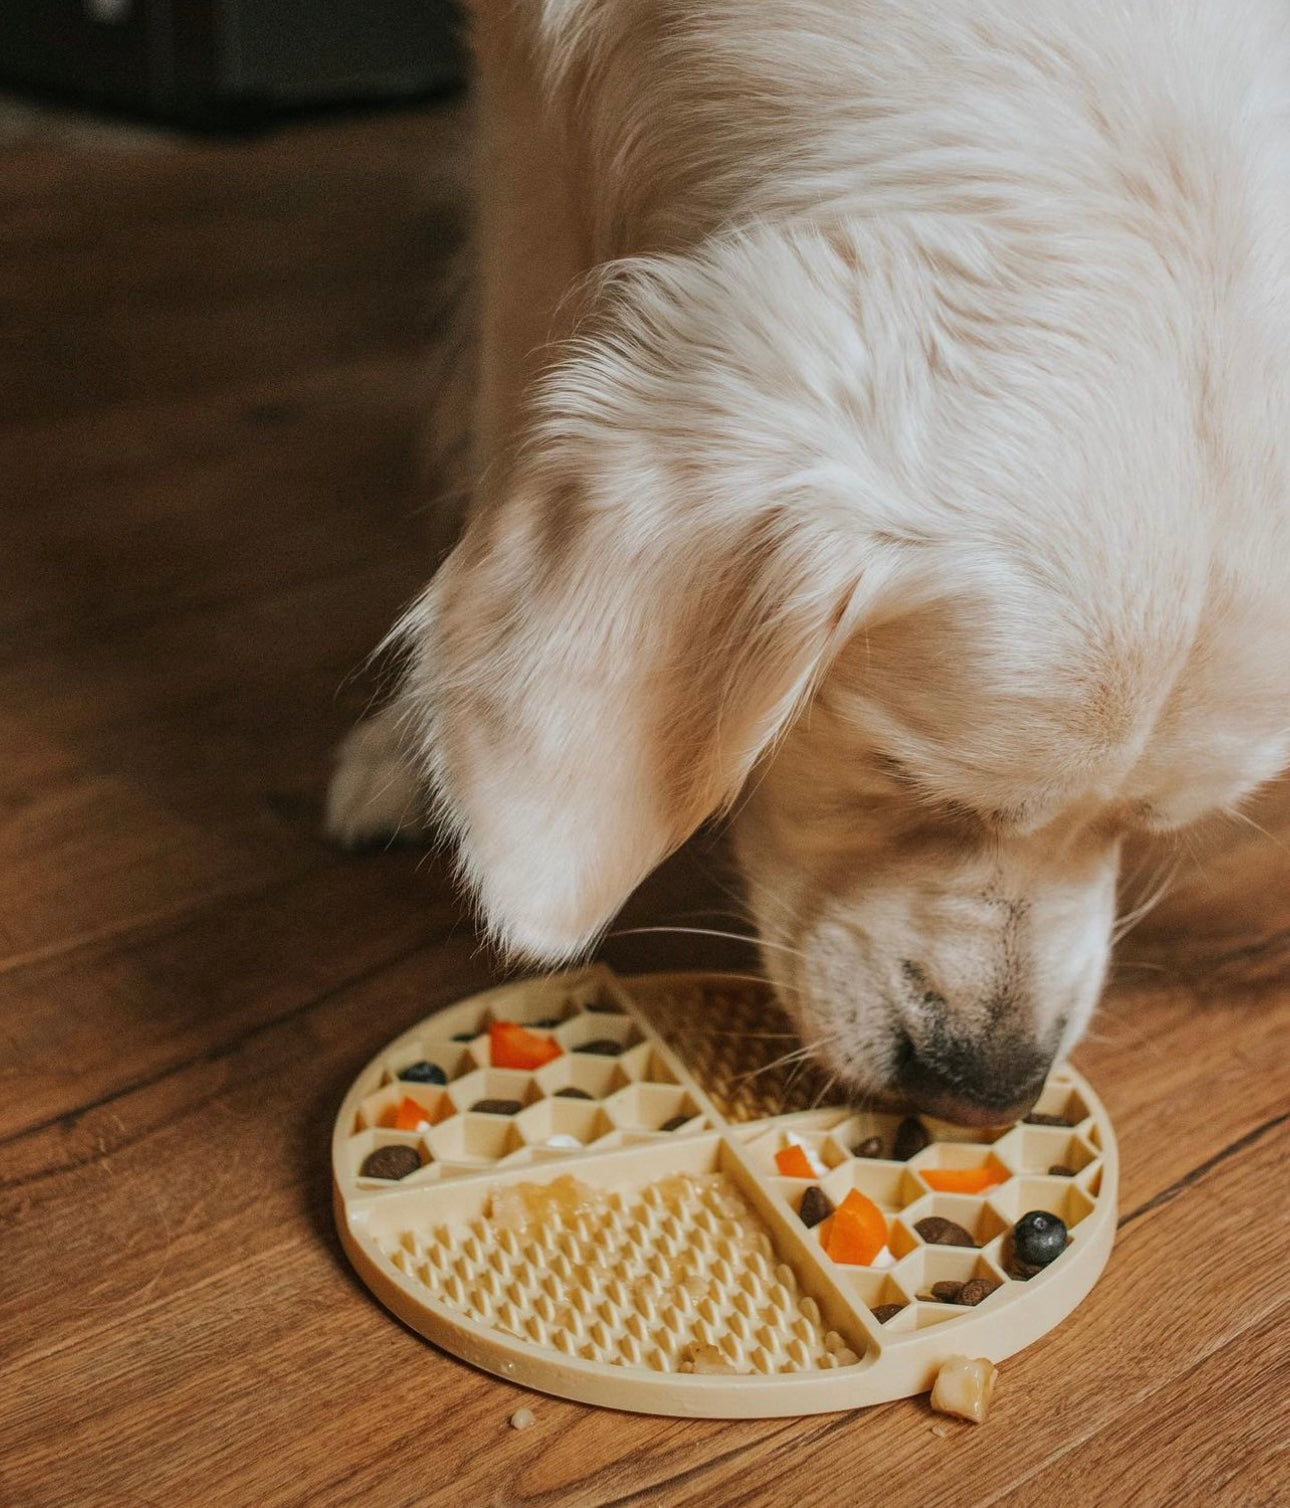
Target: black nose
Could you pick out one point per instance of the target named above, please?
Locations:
(987, 1083)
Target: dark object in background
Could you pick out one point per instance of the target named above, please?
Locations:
(216, 63)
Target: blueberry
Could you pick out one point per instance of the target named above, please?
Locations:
(423, 1073)
(1038, 1238)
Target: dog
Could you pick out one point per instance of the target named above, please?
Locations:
(883, 439)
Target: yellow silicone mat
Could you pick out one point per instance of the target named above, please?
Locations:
(561, 1237)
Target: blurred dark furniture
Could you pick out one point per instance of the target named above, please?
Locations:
(216, 62)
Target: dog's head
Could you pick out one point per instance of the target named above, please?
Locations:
(942, 567)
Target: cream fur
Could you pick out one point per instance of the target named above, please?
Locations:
(882, 435)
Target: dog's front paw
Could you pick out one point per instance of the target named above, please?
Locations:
(375, 796)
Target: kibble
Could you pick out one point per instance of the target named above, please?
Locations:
(1060, 1170)
(815, 1206)
(884, 1312)
(946, 1292)
(497, 1107)
(390, 1162)
(975, 1290)
(911, 1137)
(675, 1122)
(423, 1073)
(602, 1047)
(1037, 1118)
(571, 1092)
(870, 1147)
(937, 1231)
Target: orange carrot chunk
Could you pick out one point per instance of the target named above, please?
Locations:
(793, 1162)
(511, 1046)
(407, 1114)
(858, 1232)
(963, 1180)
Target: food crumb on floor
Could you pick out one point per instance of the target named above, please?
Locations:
(522, 1418)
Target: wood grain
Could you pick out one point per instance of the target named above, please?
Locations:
(214, 358)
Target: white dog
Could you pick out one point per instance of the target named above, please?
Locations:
(884, 435)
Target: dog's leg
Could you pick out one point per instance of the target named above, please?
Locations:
(527, 254)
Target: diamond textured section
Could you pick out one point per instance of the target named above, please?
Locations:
(737, 1042)
(680, 1276)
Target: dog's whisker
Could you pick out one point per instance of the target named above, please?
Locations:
(759, 942)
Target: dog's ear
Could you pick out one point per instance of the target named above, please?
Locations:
(638, 613)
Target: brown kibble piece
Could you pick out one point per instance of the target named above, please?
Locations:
(871, 1146)
(1036, 1118)
(937, 1231)
(1060, 1170)
(975, 1290)
(676, 1122)
(497, 1107)
(815, 1206)
(570, 1092)
(911, 1137)
(884, 1312)
(947, 1292)
(390, 1162)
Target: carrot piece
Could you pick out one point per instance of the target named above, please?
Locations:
(512, 1046)
(858, 1232)
(825, 1228)
(407, 1115)
(963, 1180)
(793, 1162)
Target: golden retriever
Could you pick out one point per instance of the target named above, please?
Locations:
(883, 435)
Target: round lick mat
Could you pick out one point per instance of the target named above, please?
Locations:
(560, 1238)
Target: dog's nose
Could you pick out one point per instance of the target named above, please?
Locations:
(986, 1083)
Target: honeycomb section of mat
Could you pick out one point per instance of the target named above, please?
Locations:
(631, 1092)
(1020, 1157)
(692, 1257)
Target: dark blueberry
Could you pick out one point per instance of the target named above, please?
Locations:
(815, 1206)
(602, 1047)
(423, 1073)
(1038, 1239)
(911, 1138)
(937, 1231)
(1060, 1170)
(390, 1162)
(871, 1146)
(571, 1092)
(947, 1292)
(975, 1290)
(497, 1107)
(1036, 1118)
(884, 1312)
(675, 1123)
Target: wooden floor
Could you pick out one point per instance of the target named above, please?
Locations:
(212, 362)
